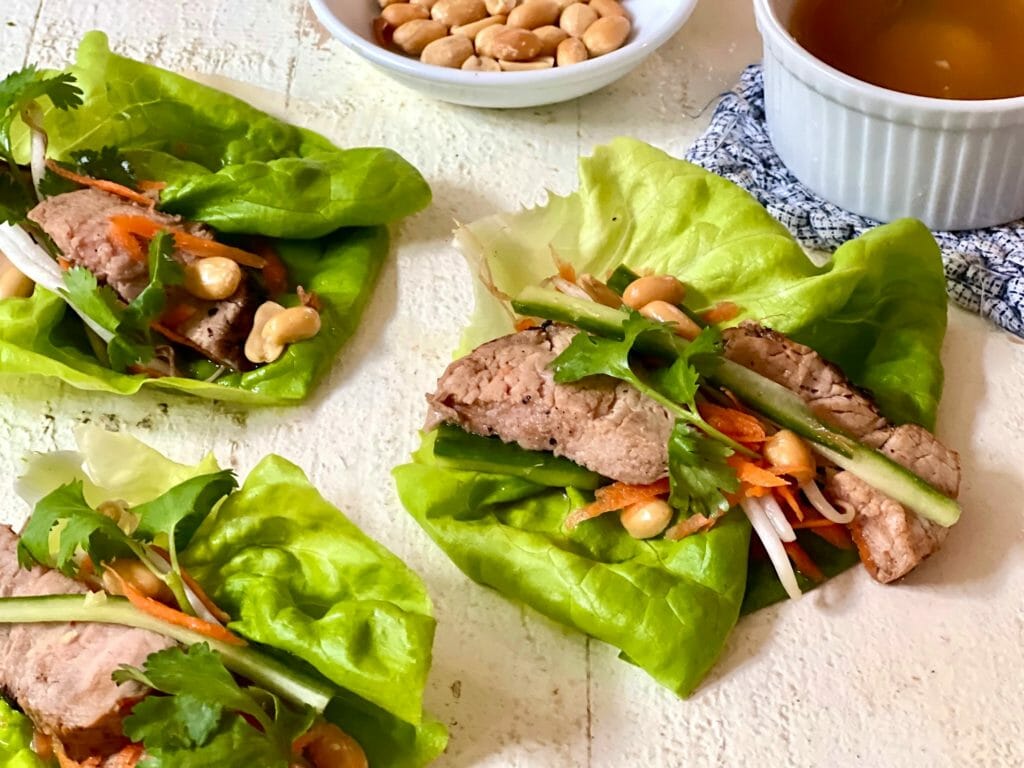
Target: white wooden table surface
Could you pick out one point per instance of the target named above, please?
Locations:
(927, 673)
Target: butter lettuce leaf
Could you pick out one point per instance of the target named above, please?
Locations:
(241, 171)
(16, 741)
(877, 308)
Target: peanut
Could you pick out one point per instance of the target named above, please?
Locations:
(544, 62)
(515, 45)
(485, 38)
(481, 64)
(428, 4)
(577, 18)
(413, 36)
(606, 8)
(449, 52)
(474, 29)
(607, 34)
(571, 51)
(455, 13)
(644, 290)
(397, 14)
(533, 14)
(646, 519)
(386, 3)
(664, 312)
(214, 278)
(500, 7)
(550, 38)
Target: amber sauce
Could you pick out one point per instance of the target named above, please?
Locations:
(948, 49)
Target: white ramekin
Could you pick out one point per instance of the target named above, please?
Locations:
(884, 154)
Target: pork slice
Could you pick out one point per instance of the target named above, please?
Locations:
(505, 388)
(79, 224)
(218, 329)
(891, 539)
(800, 369)
(60, 674)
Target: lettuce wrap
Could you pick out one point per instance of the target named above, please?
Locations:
(236, 169)
(877, 309)
(299, 580)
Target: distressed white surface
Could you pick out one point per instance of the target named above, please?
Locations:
(927, 673)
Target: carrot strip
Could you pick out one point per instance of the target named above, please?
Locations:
(819, 522)
(204, 598)
(803, 561)
(526, 323)
(275, 274)
(787, 496)
(102, 184)
(722, 312)
(175, 315)
(197, 246)
(617, 496)
(63, 263)
(128, 757)
(126, 241)
(836, 535)
(750, 473)
(66, 762)
(147, 185)
(735, 424)
(691, 525)
(165, 613)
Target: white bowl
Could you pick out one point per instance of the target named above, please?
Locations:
(654, 22)
(883, 154)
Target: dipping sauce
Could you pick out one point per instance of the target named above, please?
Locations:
(947, 49)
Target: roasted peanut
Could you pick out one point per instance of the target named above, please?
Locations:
(485, 38)
(785, 450)
(413, 36)
(646, 519)
(563, 4)
(455, 13)
(136, 575)
(533, 14)
(514, 45)
(500, 7)
(606, 8)
(450, 52)
(607, 34)
(599, 292)
(330, 747)
(571, 51)
(13, 284)
(474, 29)
(664, 312)
(550, 38)
(255, 346)
(577, 18)
(398, 14)
(644, 290)
(428, 4)
(541, 62)
(481, 64)
(214, 278)
(386, 3)
(293, 325)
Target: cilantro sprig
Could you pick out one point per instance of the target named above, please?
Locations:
(205, 717)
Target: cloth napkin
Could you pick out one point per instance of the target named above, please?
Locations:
(984, 267)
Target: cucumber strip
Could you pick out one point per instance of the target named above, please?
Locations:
(771, 400)
(457, 449)
(245, 661)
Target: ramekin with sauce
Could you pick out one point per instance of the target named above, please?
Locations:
(954, 163)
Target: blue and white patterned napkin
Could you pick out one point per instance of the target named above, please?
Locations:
(984, 267)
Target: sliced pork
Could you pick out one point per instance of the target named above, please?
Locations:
(79, 224)
(891, 539)
(505, 388)
(60, 674)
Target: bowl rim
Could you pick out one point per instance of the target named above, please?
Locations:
(670, 24)
(771, 24)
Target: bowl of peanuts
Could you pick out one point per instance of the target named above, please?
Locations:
(504, 53)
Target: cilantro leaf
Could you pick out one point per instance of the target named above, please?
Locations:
(62, 525)
(107, 163)
(21, 88)
(681, 380)
(199, 722)
(590, 355)
(698, 472)
(16, 198)
(100, 303)
(164, 272)
(181, 510)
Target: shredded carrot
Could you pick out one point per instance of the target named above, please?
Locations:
(165, 613)
(102, 184)
(204, 598)
(748, 472)
(803, 561)
(722, 312)
(126, 240)
(566, 271)
(617, 496)
(144, 227)
(128, 757)
(526, 323)
(791, 501)
(735, 424)
(66, 762)
(147, 185)
(691, 525)
(176, 315)
(275, 274)
(836, 535)
(42, 744)
(818, 522)
(63, 263)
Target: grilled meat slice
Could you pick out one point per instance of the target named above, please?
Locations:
(59, 674)
(79, 223)
(505, 388)
(891, 539)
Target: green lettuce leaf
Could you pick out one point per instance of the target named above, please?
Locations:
(298, 576)
(241, 171)
(877, 309)
(16, 741)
